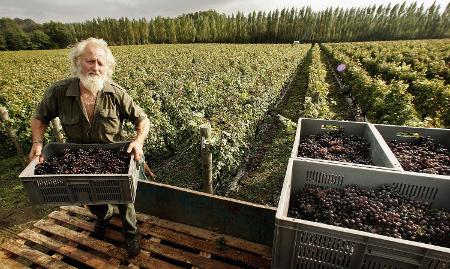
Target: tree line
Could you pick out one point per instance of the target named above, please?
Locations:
(390, 22)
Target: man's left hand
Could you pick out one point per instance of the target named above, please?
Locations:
(136, 148)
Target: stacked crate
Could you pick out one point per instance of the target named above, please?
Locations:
(307, 244)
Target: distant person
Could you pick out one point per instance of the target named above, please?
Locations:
(92, 108)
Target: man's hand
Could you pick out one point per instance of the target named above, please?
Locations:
(37, 134)
(36, 151)
(136, 148)
(142, 129)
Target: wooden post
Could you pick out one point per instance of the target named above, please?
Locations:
(56, 128)
(205, 133)
(11, 132)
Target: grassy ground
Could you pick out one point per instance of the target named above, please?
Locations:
(263, 176)
(181, 170)
(16, 213)
(336, 99)
(262, 179)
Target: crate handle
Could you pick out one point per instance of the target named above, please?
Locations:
(393, 256)
(77, 183)
(331, 127)
(408, 134)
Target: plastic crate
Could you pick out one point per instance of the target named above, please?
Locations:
(70, 189)
(307, 244)
(380, 154)
(410, 134)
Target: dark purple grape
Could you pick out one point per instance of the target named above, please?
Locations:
(422, 155)
(382, 211)
(335, 146)
(86, 161)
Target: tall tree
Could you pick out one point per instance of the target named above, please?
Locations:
(59, 34)
(171, 32)
(15, 38)
(2, 41)
(390, 22)
(40, 40)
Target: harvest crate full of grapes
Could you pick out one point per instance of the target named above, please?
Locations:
(419, 150)
(350, 216)
(358, 143)
(82, 174)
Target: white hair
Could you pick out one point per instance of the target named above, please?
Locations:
(78, 50)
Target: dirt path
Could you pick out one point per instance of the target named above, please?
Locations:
(336, 98)
(262, 178)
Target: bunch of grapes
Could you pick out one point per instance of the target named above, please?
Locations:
(383, 211)
(335, 146)
(422, 155)
(86, 161)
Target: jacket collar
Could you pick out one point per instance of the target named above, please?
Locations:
(108, 87)
(74, 89)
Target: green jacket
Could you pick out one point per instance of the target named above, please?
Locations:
(112, 107)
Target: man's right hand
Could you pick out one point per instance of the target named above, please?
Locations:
(37, 130)
(36, 151)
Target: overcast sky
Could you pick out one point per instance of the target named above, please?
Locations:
(81, 10)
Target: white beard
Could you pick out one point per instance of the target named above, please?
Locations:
(92, 83)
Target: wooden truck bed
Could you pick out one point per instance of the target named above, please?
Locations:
(63, 240)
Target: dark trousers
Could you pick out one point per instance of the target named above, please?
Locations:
(127, 215)
(126, 211)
